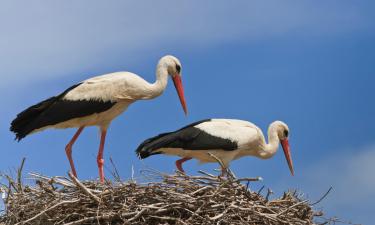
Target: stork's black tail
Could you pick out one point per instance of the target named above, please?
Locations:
(148, 147)
(22, 125)
(175, 139)
(28, 120)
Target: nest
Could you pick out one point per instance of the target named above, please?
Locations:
(164, 199)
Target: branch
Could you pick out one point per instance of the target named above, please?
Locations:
(19, 175)
(46, 210)
(91, 219)
(325, 195)
(83, 188)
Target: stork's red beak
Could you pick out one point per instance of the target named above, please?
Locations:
(286, 148)
(180, 90)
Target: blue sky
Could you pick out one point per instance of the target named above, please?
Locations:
(308, 63)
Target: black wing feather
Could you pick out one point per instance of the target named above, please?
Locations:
(188, 138)
(53, 111)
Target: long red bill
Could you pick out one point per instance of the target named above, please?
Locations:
(286, 148)
(180, 90)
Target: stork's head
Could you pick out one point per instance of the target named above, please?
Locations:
(283, 134)
(173, 66)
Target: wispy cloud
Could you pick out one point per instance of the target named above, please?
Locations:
(351, 174)
(43, 40)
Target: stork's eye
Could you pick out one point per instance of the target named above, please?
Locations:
(286, 133)
(178, 68)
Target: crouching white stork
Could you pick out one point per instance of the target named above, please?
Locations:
(227, 139)
(96, 101)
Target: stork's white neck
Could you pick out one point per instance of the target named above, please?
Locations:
(269, 149)
(161, 82)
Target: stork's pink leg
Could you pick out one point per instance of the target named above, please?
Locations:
(68, 150)
(179, 164)
(100, 159)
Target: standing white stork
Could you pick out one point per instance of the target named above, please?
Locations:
(227, 139)
(96, 101)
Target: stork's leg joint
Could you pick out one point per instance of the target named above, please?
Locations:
(68, 150)
(99, 158)
(100, 161)
(180, 162)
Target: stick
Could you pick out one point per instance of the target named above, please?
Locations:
(91, 219)
(298, 203)
(249, 179)
(269, 192)
(217, 159)
(207, 174)
(115, 173)
(168, 218)
(19, 175)
(46, 210)
(139, 214)
(83, 188)
(261, 189)
(58, 180)
(325, 195)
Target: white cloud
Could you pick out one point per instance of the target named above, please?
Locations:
(350, 174)
(47, 39)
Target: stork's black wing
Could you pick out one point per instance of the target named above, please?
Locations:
(187, 138)
(53, 111)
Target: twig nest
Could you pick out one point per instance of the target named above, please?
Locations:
(164, 199)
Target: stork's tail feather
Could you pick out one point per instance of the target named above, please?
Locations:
(24, 123)
(27, 121)
(152, 145)
(149, 146)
